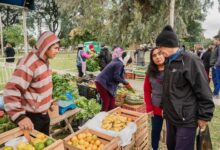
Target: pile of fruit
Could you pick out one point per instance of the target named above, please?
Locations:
(86, 141)
(122, 91)
(39, 143)
(115, 122)
(134, 99)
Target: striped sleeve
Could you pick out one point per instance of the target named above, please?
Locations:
(17, 85)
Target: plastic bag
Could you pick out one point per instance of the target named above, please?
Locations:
(204, 140)
(125, 134)
(15, 141)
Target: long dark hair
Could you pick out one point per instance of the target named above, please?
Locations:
(152, 70)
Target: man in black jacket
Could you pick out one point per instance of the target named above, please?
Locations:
(206, 60)
(104, 57)
(187, 99)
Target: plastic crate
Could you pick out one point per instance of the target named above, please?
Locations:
(82, 89)
(129, 75)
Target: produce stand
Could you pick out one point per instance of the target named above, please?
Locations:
(110, 143)
(141, 135)
(67, 117)
(14, 133)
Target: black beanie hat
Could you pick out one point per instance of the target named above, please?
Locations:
(167, 38)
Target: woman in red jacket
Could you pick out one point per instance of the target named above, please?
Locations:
(153, 92)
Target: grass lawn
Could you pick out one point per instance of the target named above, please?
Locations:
(215, 129)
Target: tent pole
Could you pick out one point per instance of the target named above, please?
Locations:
(25, 30)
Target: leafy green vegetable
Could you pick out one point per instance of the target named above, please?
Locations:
(88, 108)
(92, 64)
(62, 84)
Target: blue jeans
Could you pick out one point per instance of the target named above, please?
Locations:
(157, 123)
(216, 80)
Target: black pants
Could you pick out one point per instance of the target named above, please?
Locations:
(41, 122)
(80, 71)
(180, 138)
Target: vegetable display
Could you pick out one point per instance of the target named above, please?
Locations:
(39, 143)
(86, 141)
(88, 108)
(134, 99)
(92, 64)
(6, 124)
(115, 122)
(63, 84)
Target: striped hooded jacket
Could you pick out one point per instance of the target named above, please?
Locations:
(30, 88)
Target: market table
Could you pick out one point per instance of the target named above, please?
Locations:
(67, 117)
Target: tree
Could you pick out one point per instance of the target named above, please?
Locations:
(32, 42)
(9, 15)
(14, 34)
(133, 21)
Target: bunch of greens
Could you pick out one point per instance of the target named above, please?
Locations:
(92, 64)
(62, 84)
(88, 108)
(6, 124)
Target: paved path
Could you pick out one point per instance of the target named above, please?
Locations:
(216, 101)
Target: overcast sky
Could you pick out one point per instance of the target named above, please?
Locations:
(211, 25)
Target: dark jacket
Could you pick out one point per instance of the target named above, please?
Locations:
(10, 52)
(186, 93)
(105, 58)
(111, 76)
(206, 59)
(215, 57)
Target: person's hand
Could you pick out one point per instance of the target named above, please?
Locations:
(26, 124)
(151, 113)
(53, 104)
(129, 87)
(202, 123)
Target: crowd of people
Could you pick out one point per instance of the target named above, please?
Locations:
(176, 86)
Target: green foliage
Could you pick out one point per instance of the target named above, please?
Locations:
(14, 34)
(62, 84)
(6, 124)
(32, 42)
(88, 108)
(92, 64)
(125, 22)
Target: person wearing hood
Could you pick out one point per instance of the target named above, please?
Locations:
(81, 60)
(28, 94)
(187, 98)
(107, 81)
(117, 52)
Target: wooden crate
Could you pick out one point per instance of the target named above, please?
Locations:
(138, 108)
(111, 143)
(141, 120)
(128, 147)
(14, 133)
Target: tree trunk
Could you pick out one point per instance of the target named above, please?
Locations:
(172, 9)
